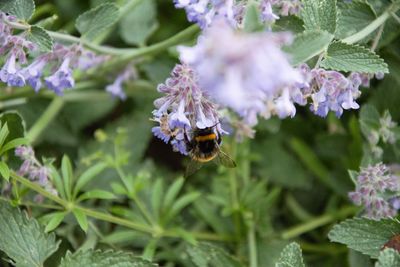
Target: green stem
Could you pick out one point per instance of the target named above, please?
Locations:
(370, 28)
(251, 240)
(47, 117)
(126, 53)
(318, 222)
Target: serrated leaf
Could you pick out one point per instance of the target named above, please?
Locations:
(3, 134)
(22, 9)
(22, 239)
(347, 57)
(137, 26)
(353, 17)
(4, 171)
(41, 38)
(319, 15)
(55, 219)
(365, 235)
(81, 219)
(291, 256)
(93, 22)
(307, 45)
(388, 258)
(99, 258)
(205, 254)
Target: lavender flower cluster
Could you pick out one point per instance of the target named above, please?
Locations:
(184, 107)
(204, 12)
(32, 168)
(251, 75)
(19, 71)
(372, 188)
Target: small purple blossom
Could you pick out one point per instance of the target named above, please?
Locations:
(246, 72)
(10, 73)
(373, 184)
(183, 108)
(32, 168)
(115, 89)
(61, 79)
(204, 12)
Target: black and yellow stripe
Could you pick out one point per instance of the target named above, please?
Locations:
(208, 137)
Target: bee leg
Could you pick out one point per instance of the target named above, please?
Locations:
(187, 141)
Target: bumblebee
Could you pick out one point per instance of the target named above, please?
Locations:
(204, 146)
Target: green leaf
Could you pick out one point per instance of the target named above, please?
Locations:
(41, 38)
(81, 219)
(88, 175)
(347, 57)
(357, 259)
(137, 26)
(22, 9)
(96, 194)
(67, 175)
(99, 258)
(388, 258)
(308, 44)
(291, 256)
(57, 181)
(365, 235)
(156, 197)
(252, 21)
(22, 239)
(15, 124)
(319, 15)
(55, 219)
(3, 134)
(353, 17)
(205, 254)
(13, 144)
(173, 192)
(180, 204)
(369, 119)
(95, 21)
(4, 171)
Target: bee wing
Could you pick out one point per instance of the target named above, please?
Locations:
(224, 159)
(192, 167)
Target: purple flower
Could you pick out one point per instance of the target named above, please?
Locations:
(61, 79)
(204, 12)
(372, 188)
(267, 13)
(245, 72)
(183, 108)
(33, 73)
(10, 74)
(32, 168)
(115, 88)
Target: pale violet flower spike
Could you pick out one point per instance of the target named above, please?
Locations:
(33, 169)
(272, 9)
(183, 108)
(115, 89)
(204, 12)
(247, 72)
(373, 188)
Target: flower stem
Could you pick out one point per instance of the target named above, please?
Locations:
(252, 243)
(370, 28)
(47, 117)
(318, 222)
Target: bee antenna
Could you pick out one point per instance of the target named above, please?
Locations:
(215, 124)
